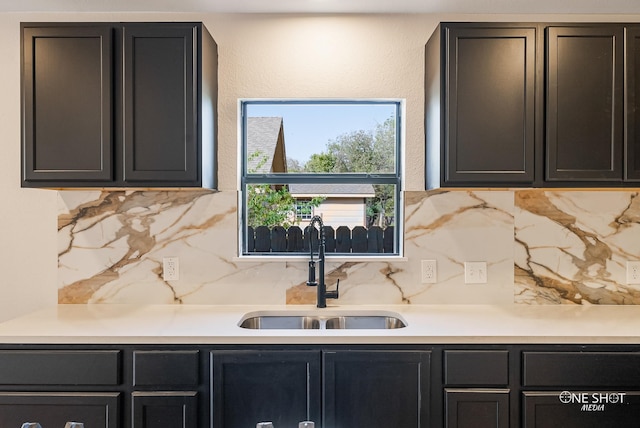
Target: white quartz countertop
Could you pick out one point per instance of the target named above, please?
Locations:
(428, 324)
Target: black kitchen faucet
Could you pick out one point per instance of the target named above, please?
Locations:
(323, 294)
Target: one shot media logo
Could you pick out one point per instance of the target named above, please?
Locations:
(592, 401)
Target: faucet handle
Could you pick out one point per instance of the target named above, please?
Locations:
(335, 293)
(312, 274)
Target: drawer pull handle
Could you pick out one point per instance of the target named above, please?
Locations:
(31, 425)
(74, 425)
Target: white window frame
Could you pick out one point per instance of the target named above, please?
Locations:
(288, 178)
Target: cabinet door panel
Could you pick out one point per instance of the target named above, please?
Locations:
(581, 369)
(51, 409)
(165, 409)
(632, 138)
(475, 408)
(160, 96)
(253, 386)
(549, 409)
(490, 113)
(376, 389)
(67, 115)
(60, 367)
(584, 103)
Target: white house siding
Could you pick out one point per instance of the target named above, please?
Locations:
(350, 212)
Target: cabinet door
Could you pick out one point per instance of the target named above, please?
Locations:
(581, 409)
(52, 409)
(476, 408)
(160, 135)
(632, 137)
(490, 98)
(254, 386)
(67, 119)
(165, 410)
(584, 103)
(376, 389)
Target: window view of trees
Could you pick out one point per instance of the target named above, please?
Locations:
(337, 160)
(272, 205)
(371, 151)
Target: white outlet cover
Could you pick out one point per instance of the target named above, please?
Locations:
(429, 272)
(633, 272)
(170, 268)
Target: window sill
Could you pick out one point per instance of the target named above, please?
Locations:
(329, 259)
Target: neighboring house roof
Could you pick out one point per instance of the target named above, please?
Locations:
(353, 190)
(263, 135)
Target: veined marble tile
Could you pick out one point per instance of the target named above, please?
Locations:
(112, 243)
(540, 246)
(572, 246)
(453, 227)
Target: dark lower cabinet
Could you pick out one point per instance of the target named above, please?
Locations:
(476, 393)
(55, 409)
(165, 410)
(376, 389)
(282, 387)
(336, 386)
(581, 409)
(476, 408)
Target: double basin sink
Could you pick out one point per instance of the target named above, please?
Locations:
(336, 321)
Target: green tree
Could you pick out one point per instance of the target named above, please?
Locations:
(293, 165)
(363, 151)
(271, 205)
(323, 162)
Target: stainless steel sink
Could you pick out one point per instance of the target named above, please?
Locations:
(365, 322)
(331, 321)
(267, 322)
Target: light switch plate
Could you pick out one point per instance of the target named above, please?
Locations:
(475, 272)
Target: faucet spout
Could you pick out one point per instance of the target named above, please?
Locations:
(323, 294)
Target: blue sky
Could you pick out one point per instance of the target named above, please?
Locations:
(308, 127)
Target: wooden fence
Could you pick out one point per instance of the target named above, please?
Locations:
(341, 240)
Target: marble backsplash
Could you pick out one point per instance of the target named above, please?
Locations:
(541, 247)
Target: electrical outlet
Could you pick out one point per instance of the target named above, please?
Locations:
(633, 273)
(475, 272)
(429, 272)
(170, 268)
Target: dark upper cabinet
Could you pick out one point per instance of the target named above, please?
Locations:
(67, 104)
(532, 105)
(584, 113)
(118, 105)
(481, 104)
(632, 99)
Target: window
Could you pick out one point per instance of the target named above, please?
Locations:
(339, 159)
(304, 210)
